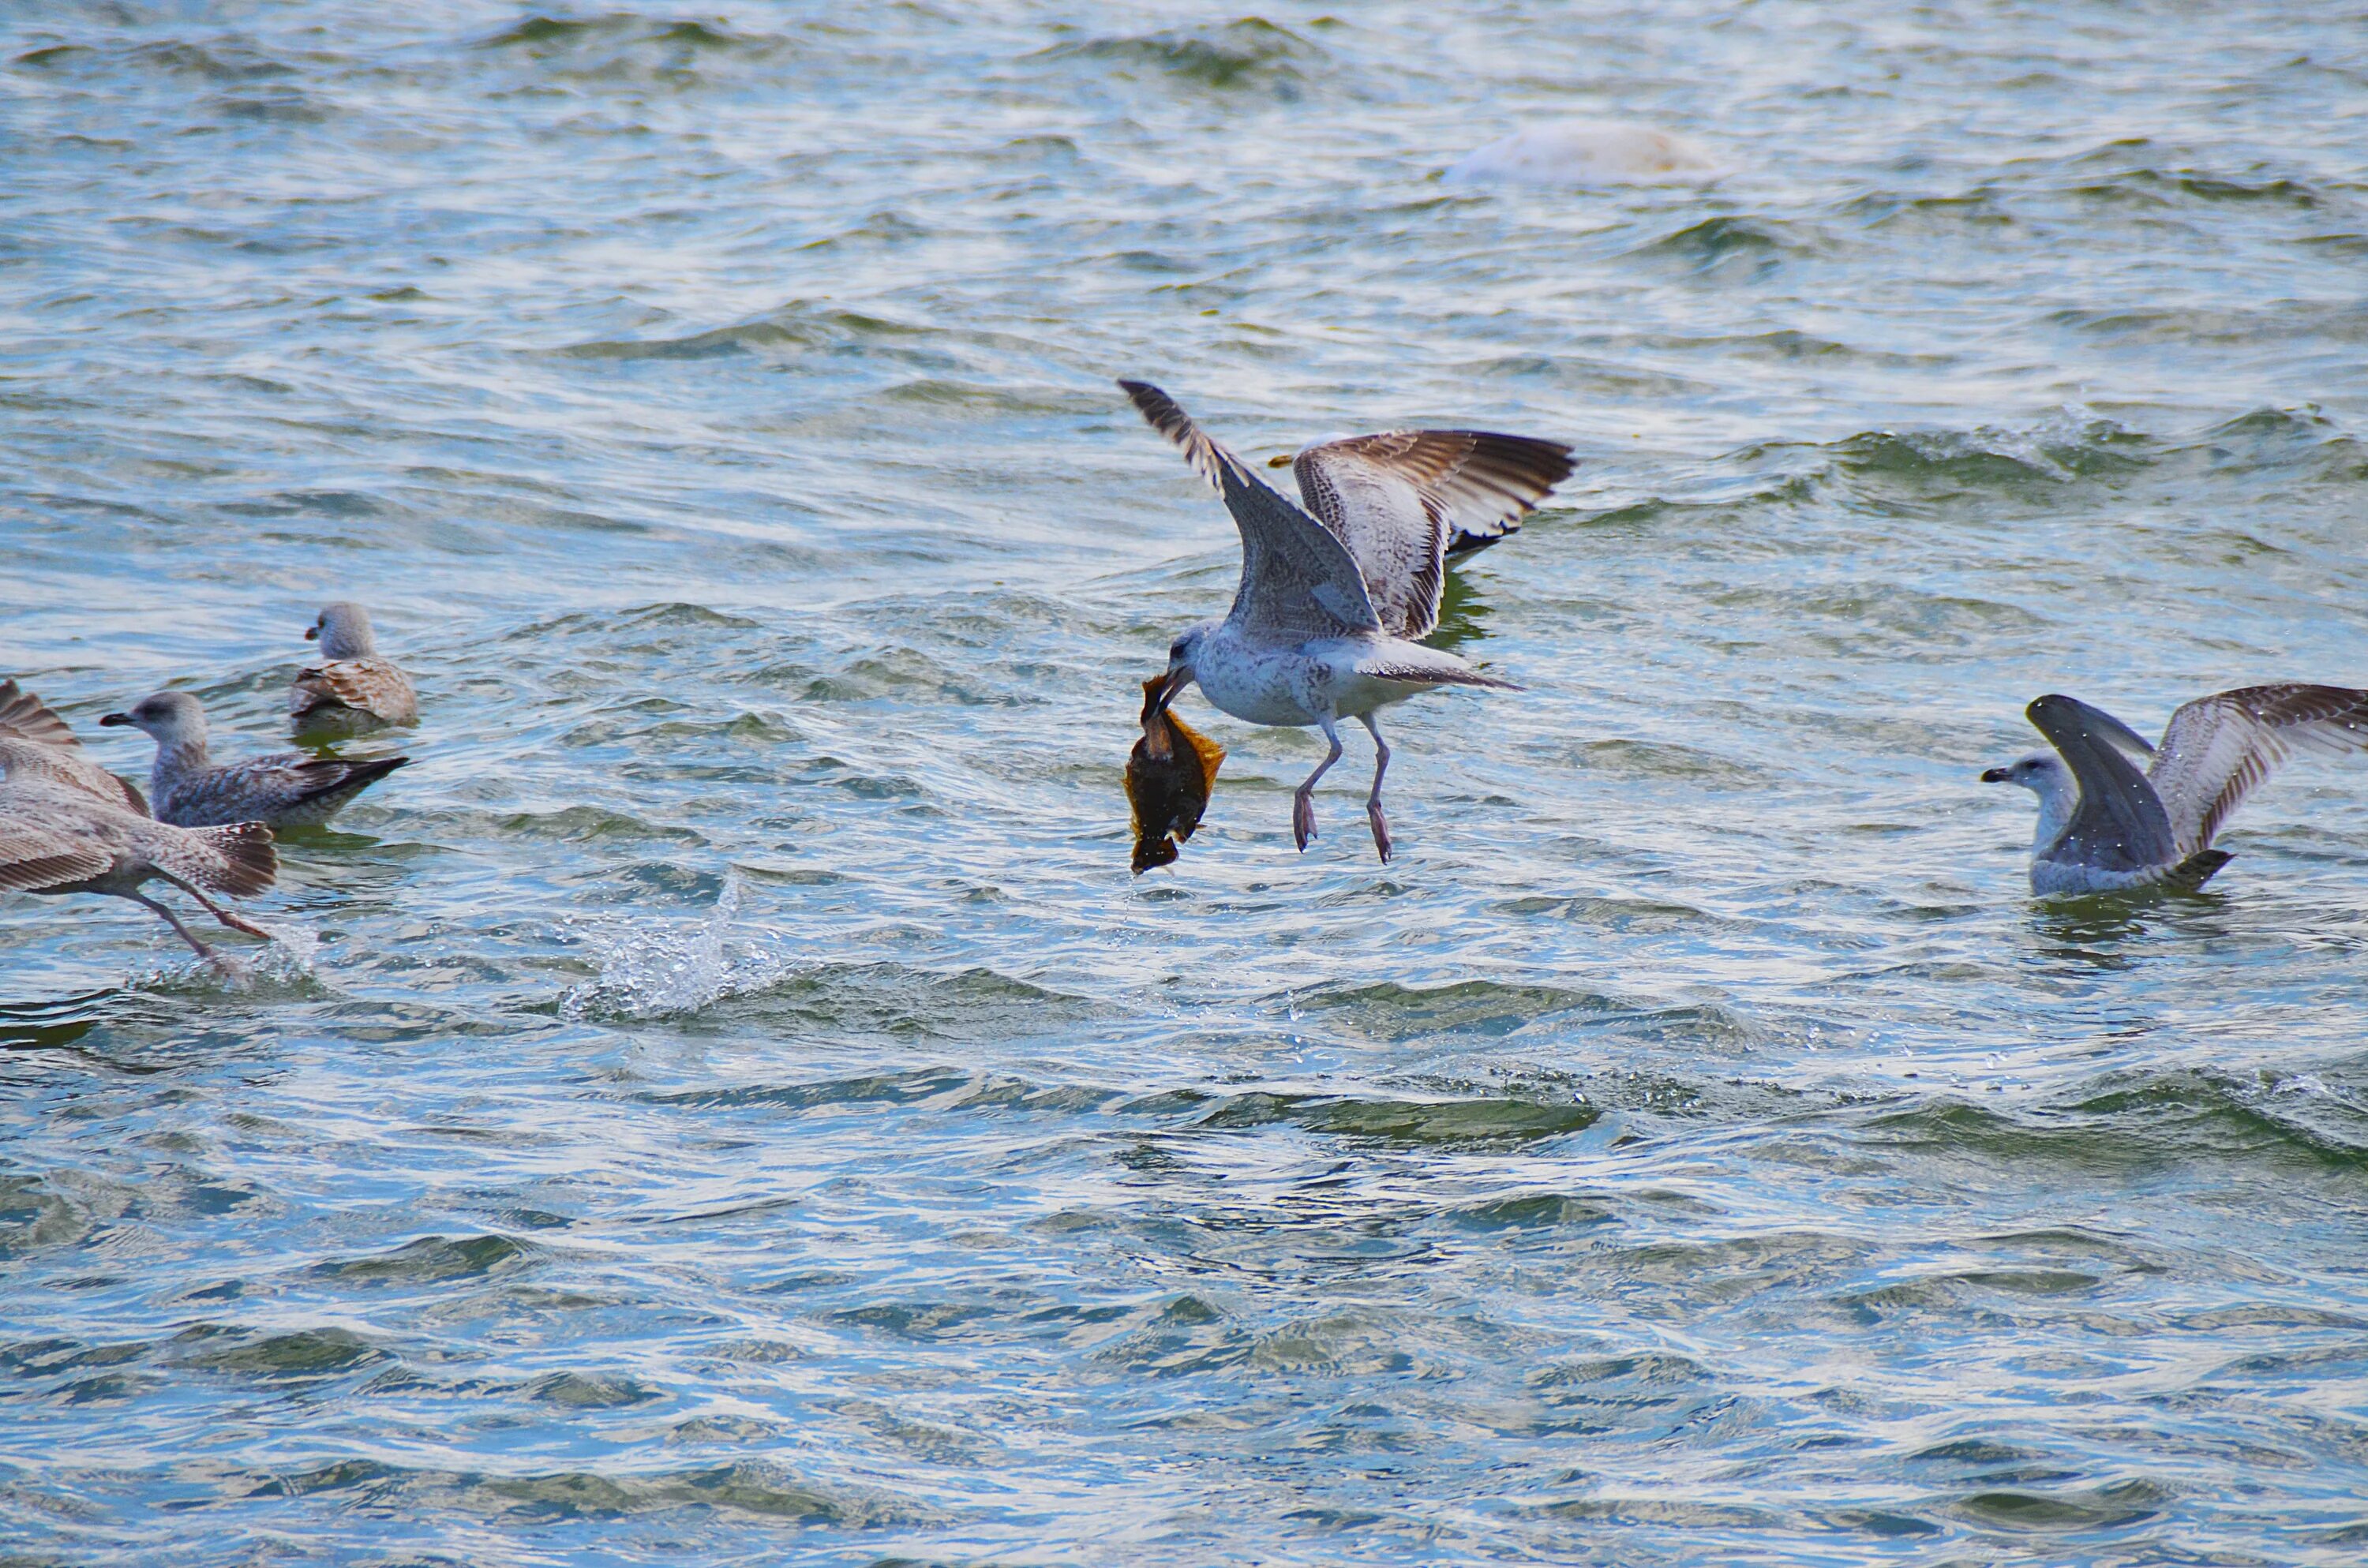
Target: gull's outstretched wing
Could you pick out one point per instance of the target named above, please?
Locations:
(2107, 728)
(2120, 825)
(1402, 499)
(2219, 747)
(33, 856)
(34, 740)
(1296, 579)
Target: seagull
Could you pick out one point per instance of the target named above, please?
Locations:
(289, 789)
(68, 825)
(1328, 621)
(2104, 826)
(354, 690)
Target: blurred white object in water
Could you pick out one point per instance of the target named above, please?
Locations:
(1585, 151)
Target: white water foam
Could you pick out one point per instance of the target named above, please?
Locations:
(649, 972)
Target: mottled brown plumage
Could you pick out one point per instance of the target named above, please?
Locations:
(68, 826)
(1404, 500)
(354, 690)
(35, 742)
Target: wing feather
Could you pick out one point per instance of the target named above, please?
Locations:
(2219, 748)
(34, 739)
(2119, 823)
(368, 686)
(1404, 500)
(33, 857)
(1297, 579)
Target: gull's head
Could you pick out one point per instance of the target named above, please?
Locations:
(1183, 667)
(175, 718)
(2041, 772)
(343, 630)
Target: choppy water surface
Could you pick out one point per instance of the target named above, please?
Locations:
(733, 1105)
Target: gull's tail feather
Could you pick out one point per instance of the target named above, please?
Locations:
(2198, 868)
(1401, 660)
(1430, 676)
(345, 780)
(237, 859)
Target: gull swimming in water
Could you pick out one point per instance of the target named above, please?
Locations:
(289, 789)
(1327, 620)
(2104, 826)
(67, 826)
(354, 690)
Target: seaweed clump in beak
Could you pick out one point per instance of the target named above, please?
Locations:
(1168, 777)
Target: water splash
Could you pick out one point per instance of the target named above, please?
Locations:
(649, 972)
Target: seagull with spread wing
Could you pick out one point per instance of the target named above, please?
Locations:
(1335, 599)
(2105, 827)
(68, 825)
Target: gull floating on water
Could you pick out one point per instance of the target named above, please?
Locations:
(1585, 151)
(1326, 620)
(354, 690)
(2104, 826)
(288, 789)
(68, 825)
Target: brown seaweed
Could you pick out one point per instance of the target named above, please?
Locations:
(1168, 777)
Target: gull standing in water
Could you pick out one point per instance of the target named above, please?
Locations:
(2104, 826)
(289, 789)
(68, 825)
(1327, 620)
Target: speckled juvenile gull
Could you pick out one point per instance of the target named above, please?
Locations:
(1326, 620)
(2104, 826)
(353, 691)
(68, 826)
(288, 789)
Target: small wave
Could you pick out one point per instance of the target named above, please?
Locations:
(1758, 244)
(631, 50)
(650, 971)
(1250, 53)
(796, 328)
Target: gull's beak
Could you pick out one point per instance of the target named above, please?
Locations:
(1994, 776)
(1158, 692)
(1282, 461)
(312, 634)
(113, 719)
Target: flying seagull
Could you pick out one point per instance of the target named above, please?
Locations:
(1334, 600)
(352, 691)
(67, 826)
(289, 789)
(2104, 826)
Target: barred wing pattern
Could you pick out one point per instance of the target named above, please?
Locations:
(33, 856)
(55, 836)
(2219, 747)
(34, 740)
(1296, 578)
(370, 689)
(1401, 499)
